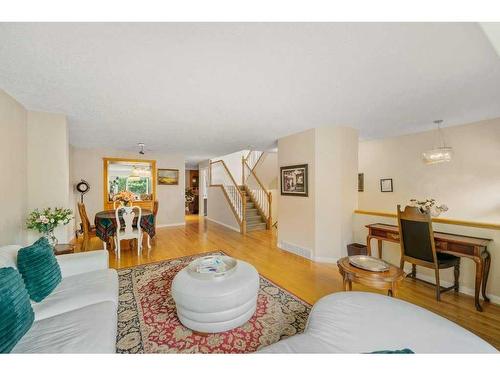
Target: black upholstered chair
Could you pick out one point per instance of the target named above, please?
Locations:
(418, 246)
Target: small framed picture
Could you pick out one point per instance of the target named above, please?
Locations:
(168, 176)
(386, 185)
(294, 180)
(361, 182)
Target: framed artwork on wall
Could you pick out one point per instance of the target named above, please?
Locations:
(361, 182)
(294, 180)
(168, 176)
(386, 185)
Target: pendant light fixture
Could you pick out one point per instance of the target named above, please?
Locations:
(141, 148)
(440, 154)
(135, 175)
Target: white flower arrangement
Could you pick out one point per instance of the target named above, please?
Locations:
(429, 205)
(48, 219)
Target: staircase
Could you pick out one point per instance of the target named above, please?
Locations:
(250, 202)
(253, 218)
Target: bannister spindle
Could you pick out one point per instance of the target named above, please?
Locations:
(269, 210)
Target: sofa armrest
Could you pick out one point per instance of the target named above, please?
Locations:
(74, 264)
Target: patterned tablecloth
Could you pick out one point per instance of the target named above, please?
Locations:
(105, 224)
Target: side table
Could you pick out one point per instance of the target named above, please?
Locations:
(64, 248)
(387, 280)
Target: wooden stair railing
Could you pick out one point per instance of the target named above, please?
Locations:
(256, 190)
(220, 176)
(253, 158)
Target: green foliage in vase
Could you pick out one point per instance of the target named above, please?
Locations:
(46, 220)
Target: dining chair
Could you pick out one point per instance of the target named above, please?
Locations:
(418, 247)
(87, 229)
(155, 214)
(155, 210)
(128, 231)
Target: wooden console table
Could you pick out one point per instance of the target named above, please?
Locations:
(462, 246)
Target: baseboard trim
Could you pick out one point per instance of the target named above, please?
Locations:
(223, 224)
(462, 289)
(170, 225)
(295, 249)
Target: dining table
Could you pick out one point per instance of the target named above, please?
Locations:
(105, 224)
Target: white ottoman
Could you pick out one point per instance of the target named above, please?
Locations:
(216, 305)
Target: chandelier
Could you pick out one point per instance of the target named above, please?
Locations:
(440, 154)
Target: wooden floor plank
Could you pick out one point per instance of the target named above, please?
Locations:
(306, 279)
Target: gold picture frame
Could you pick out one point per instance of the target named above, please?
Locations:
(168, 176)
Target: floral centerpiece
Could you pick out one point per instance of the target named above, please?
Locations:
(48, 219)
(124, 197)
(429, 205)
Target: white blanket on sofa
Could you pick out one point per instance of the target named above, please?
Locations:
(359, 322)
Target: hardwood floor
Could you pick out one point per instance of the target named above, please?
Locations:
(306, 279)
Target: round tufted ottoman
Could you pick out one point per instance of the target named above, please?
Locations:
(219, 304)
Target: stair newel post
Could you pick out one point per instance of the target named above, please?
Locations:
(243, 228)
(270, 218)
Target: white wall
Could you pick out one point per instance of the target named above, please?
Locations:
(204, 174)
(233, 163)
(219, 209)
(87, 164)
(320, 226)
(297, 215)
(336, 190)
(267, 170)
(13, 186)
(186, 178)
(469, 185)
(48, 166)
(34, 165)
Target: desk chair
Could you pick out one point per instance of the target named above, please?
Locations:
(418, 247)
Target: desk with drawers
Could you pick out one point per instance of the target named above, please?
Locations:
(462, 246)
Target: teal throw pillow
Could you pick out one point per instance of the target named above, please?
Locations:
(39, 268)
(16, 314)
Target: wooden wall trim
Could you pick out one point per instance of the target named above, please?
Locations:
(465, 223)
(108, 205)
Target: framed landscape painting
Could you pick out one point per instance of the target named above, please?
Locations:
(168, 176)
(294, 180)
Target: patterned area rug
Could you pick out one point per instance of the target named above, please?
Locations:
(147, 320)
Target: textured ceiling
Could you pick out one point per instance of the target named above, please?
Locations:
(210, 89)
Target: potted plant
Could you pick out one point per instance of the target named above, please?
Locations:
(189, 197)
(48, 219)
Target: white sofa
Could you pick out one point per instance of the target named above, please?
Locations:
(359, 322)
(80, 315)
